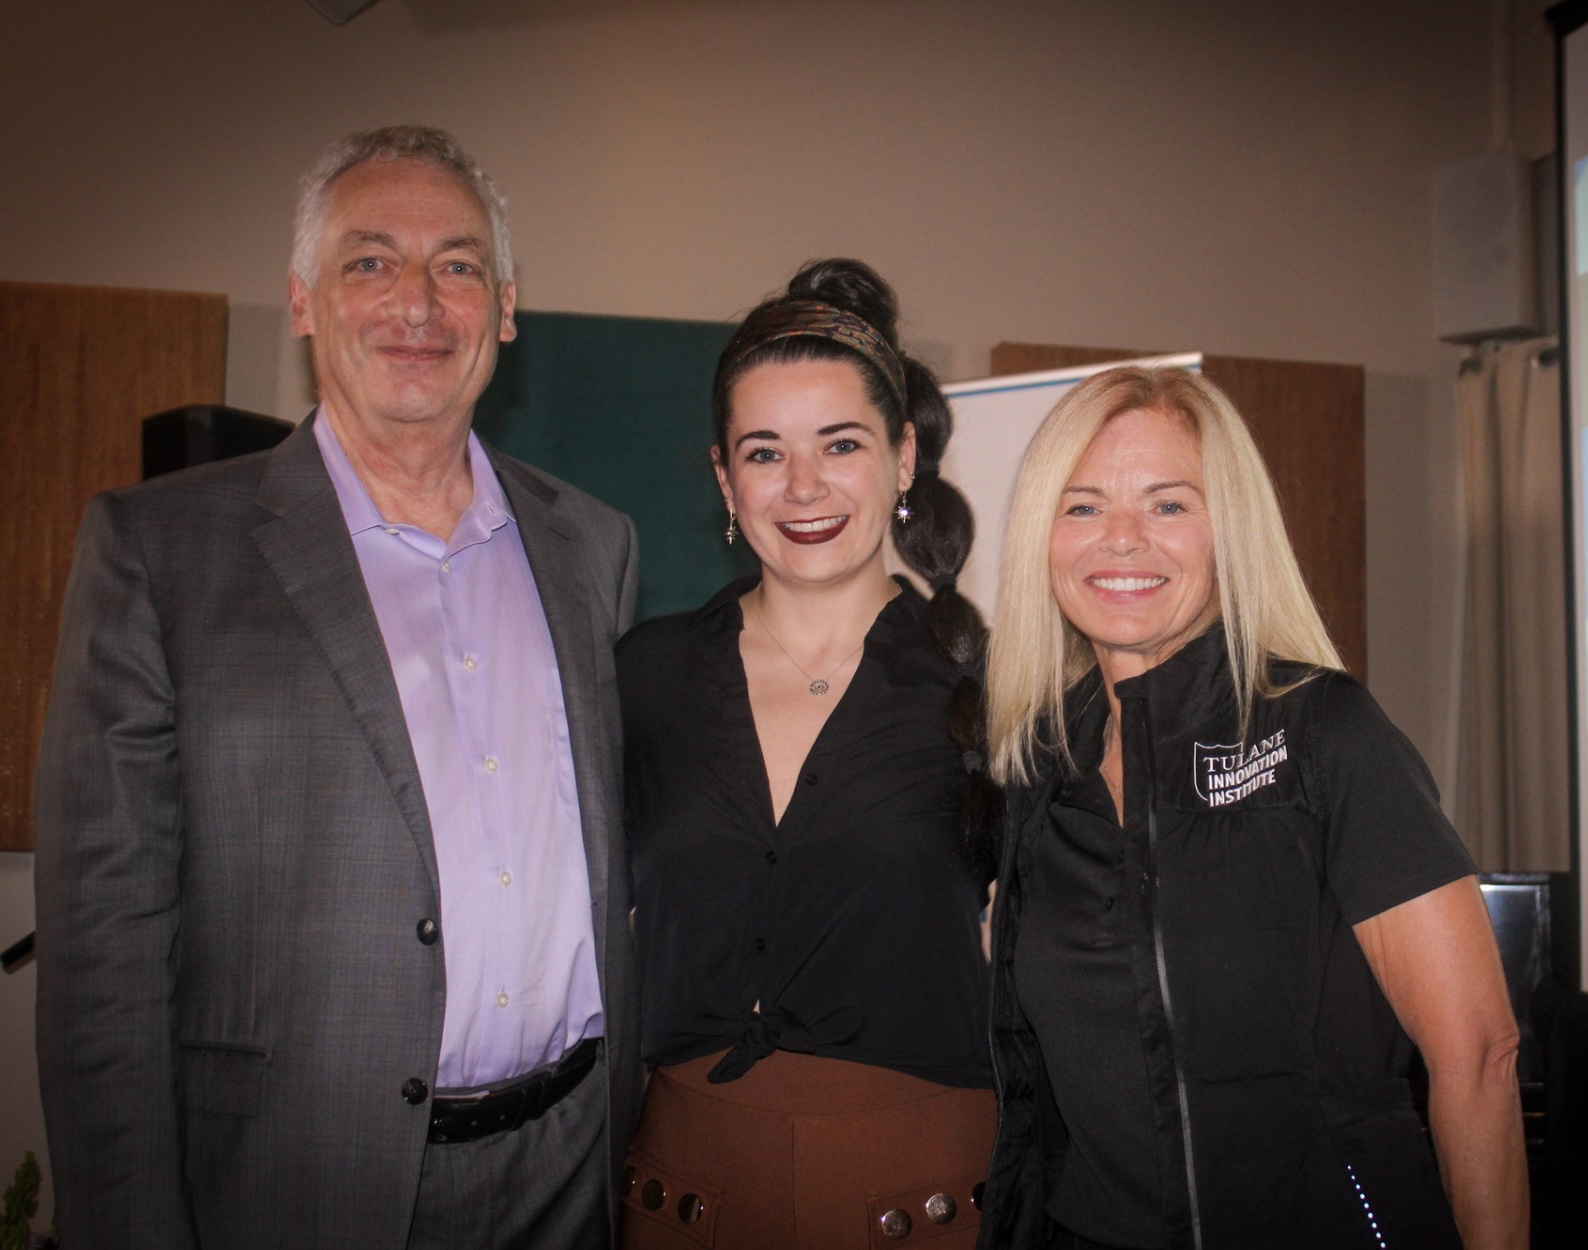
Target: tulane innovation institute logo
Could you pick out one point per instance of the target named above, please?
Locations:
(1226, 774)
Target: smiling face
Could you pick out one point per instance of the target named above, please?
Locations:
(406, 308)
(1130, 556)
(809, 471)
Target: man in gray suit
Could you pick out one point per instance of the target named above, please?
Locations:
(332, 906)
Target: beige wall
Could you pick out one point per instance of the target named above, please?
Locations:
(1237, 177)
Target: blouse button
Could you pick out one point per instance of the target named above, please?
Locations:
(771, 857)
(810, 779)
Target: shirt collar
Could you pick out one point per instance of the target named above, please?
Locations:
(487, 511)
(909, 599)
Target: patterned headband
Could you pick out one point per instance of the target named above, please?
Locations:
(809, 317)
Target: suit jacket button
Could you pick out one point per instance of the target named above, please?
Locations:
(429, 931)
(415, 1091)
(896, 1224)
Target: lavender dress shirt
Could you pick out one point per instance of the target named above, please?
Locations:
(472, 655)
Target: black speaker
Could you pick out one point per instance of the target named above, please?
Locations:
(200, 433)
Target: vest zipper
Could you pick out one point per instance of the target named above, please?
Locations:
(1163, 976)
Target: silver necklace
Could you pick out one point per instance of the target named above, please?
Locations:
(818, 685)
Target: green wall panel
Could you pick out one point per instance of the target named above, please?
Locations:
(621, 407)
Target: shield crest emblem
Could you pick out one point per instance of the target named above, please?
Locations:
(1211, 762)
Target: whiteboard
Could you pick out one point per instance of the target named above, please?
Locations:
(994, 419)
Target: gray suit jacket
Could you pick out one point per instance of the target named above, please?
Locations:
(234, 853)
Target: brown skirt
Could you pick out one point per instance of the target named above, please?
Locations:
(803, 1153)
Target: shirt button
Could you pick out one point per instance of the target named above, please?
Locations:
(501, 999)
(468, 663)
(506, 878)
(771, 857)
(391, 529)
(810, 779)
(759, 944)
(490, 764)
(446, 566)
(428, 931)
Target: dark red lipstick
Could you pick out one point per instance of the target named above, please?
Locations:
(827, 529)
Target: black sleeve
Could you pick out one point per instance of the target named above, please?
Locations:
(1387, 839)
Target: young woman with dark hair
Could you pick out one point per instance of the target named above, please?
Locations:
(802, 754)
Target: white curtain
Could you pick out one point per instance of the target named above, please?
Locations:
(1511, 785)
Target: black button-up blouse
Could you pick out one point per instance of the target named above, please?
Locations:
(853, 921)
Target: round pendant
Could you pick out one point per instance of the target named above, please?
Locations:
(819, 686)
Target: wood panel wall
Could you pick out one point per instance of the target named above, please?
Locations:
(80, 367)
(1307, 420)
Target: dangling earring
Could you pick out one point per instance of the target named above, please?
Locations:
(901, 510)
(732, 531)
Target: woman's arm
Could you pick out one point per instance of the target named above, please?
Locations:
(1436, 960)
(987, 921)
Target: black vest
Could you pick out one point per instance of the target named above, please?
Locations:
(1276, 1068)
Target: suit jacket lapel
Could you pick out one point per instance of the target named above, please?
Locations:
(308, 548)
(555, 559)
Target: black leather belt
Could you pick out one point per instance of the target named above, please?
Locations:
(470, 1116)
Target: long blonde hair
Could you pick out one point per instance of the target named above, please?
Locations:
(1036, 655)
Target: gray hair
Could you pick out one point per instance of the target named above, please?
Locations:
(393, 143)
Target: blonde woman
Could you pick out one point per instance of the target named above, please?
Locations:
(1229, 904)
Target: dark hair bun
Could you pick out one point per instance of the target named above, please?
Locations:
(853, 286)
